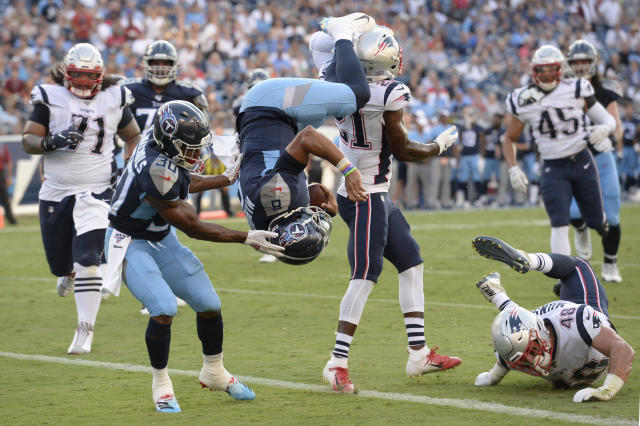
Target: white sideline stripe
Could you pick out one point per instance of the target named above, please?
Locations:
(402, 397)
(312, 296)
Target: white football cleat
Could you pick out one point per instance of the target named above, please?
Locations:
(82, 340)
(419, 364)
(582, 241)
(223, 381)
(66, 284)
(336, 373)
(348, 26)
(610, 273)
(268, 258)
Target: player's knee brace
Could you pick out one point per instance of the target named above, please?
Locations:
(354, 300)
(410, 289)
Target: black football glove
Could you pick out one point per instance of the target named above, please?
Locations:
(54, 141)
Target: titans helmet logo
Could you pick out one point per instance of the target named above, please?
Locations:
(292, 233)
(168, 122)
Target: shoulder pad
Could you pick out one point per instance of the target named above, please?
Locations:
(188, 84)
(613, 86)
(39, 95)
(129, 80)
(163, 175)
(530, 95)
(396, 96)
(586, 89)
(127, 97)
(201, 102)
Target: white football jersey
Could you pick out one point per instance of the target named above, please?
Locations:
(557, 119)
(362, 137)
(575, 361)
(86, 166)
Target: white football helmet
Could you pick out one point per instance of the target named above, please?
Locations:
(522, 340)
(547, 66)
(83, 70)
(379, 53)
(160, 75)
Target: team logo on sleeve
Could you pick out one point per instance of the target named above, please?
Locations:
(596, 321)
(292, 233)
(168, 122)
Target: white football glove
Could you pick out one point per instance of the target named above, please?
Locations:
(612, 384)
(599, 138)
(234, 167)
(491, 377)
(447, 138)
(490, 286)
(518, 179)
(259, 240)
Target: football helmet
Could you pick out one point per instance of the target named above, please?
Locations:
(379, 53)
(83, 70)
(522, 340)
(582, 50)
(303, 232)
(547, 66)
(160, 75)
(182, 133)
(256, 76)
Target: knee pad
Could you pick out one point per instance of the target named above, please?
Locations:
(354, 300)
(410, 289)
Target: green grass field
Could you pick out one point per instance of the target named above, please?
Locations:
(279, 331)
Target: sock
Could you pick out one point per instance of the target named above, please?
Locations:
(161, 383)
(210, 333)
(611, 243)
(579, 224)
(158, 339)
(214, 372)
(88, 283)
(343, 344)
(560, 240)
(540, 262)
(415, 331)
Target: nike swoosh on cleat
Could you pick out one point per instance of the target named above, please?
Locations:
(362, 17)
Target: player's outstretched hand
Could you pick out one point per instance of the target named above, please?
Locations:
(259, 240)
(355, 190)
(518, 179)
(447, 138)
(612, 384)
(331, 205)
(487, 379)
(66, 137)
(234, 168)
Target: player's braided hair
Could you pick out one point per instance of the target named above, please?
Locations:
(57, 75)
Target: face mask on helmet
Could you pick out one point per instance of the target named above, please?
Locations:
(256, 76)
(83, 70)
(303, 232)
(522, 340)
(182, 132)
(547, 65)
(379, 54)
(160, 63)
(582, 58)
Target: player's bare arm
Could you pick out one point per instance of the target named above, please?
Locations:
(130, 134)
(310, 141)
(620, 353)
(514, 130)
(331, 206)
(32, 137)
(201, 183)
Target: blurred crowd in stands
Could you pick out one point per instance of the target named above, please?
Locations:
(461, 58)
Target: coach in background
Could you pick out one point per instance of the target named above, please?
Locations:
(570, 342)
(73, 126)
(6, 175)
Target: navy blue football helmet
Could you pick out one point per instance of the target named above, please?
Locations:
(303, 232)
(160, 75)
(256, 76)
(182, 133)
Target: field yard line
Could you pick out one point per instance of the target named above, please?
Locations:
(316, 296)
(402, 397)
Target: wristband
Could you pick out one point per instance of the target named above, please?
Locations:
(346, 167)
(612, 383)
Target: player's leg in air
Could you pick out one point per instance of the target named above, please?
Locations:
(578, 282)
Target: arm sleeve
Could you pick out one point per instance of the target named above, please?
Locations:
(599, 115)
(40, 115)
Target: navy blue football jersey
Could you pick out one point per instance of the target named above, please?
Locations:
(148, 172)
(491, 140)
(470, 139)
(147, 101)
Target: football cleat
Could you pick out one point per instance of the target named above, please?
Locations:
(582, 241)
(490, 285)
(610, 273)
(495, 248)
(234, 387)
(82, 340)
(418, 365)
(167, 404)
(65, 284)
(355, 23)
(336, 374)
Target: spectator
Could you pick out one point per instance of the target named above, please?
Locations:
(6, 180)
